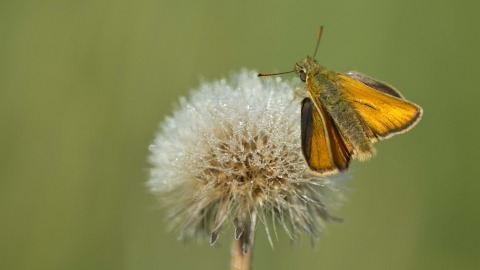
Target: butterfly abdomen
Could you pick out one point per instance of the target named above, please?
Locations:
(345, 117)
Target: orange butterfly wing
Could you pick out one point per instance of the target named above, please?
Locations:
(324, 149)
(372, 83)
(385, 113)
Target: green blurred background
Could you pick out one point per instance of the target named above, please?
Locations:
(84, 85)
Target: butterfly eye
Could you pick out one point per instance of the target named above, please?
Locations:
(303, 75)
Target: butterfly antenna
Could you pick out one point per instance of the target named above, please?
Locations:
(263, 74)
(320, 29)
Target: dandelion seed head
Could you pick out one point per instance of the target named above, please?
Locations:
(231, 154)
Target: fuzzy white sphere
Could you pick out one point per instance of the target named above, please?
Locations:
(231, 154)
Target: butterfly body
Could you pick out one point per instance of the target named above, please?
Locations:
(323, 89)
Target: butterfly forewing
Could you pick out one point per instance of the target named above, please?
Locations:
(379, 86)
(324, 149)
(385, 114)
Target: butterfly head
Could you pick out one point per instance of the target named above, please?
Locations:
(303, 68)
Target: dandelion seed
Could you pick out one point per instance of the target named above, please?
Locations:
(231, 154)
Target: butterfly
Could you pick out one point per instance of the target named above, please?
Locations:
(343, 114)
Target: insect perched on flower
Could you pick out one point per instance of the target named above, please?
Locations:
(345, 113)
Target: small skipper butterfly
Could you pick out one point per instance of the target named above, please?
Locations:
(345, 113)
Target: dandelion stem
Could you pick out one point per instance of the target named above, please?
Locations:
(240, 261)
